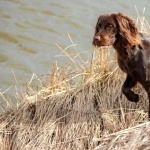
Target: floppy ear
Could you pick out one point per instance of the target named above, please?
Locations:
(96, 30)
(127, 29)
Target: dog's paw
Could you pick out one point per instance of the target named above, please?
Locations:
(133, 98)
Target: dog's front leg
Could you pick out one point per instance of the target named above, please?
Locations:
(126, 89)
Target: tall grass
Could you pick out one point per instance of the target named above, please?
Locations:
(79, 107)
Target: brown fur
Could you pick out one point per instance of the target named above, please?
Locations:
(132, 47)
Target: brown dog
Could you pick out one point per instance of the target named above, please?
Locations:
(132, 47)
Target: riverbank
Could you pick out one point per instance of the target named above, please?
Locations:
(77, 103)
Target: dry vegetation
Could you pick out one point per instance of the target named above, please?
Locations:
(79, 107)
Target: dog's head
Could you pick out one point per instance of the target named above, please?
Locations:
(115, 28)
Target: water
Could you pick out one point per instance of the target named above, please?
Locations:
(29, 31)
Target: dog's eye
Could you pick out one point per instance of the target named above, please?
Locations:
(109, 26)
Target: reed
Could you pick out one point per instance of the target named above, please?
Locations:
(79, 106)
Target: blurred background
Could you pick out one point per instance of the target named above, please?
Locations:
(29, 31)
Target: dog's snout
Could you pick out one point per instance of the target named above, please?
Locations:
(98, 38)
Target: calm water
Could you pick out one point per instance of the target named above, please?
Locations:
(29, 30)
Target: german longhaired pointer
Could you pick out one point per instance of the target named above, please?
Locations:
(132, 47)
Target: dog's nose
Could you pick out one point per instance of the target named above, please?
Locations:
(97, 38)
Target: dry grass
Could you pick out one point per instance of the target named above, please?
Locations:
(79, 107)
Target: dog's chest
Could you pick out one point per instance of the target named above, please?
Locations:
(132, 63)
(125, 65)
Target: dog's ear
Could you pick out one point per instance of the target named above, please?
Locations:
(96, 30)
(126, 23)
(127, 28)
(96, 27)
